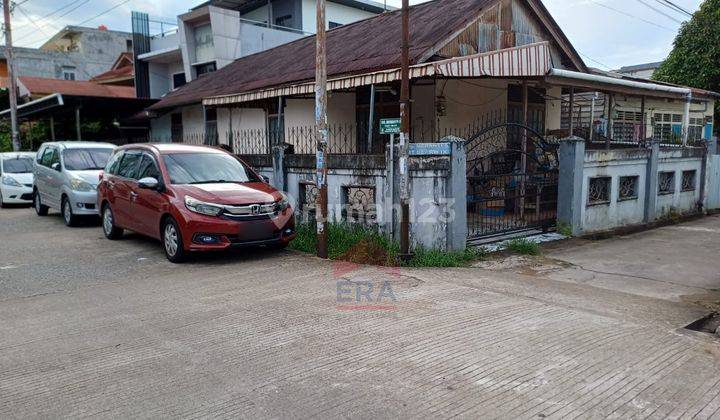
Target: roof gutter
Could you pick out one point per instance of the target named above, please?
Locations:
(60, 102)
(595, 78)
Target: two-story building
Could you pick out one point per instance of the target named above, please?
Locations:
(215, 33)
(74, 53)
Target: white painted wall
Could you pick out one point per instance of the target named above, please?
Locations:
(553, 108)
(333, 12)
(633, 162)
(467, 100)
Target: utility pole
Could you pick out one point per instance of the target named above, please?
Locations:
(12, 77)
(405, 132)
(321, 133)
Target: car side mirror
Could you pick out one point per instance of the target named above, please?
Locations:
(265, 179)
(56, 166)
(149, 183)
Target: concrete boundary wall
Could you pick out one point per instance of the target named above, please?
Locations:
(437, 190)
(606, 189)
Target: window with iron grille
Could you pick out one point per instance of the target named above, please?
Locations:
(211, 132)
(626, 125)
(599, 190)
(666, 183)
(688, 180)
(628, 188)
(668, 127)
(359, 205)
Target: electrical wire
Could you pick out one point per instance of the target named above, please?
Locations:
(53, 12)
(660, 11)
(674, 6)
(649, 22)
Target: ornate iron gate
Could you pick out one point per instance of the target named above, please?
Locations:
(510, 188)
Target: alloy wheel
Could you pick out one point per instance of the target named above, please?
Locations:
(67, 212)
(107, 221)
(170, 239)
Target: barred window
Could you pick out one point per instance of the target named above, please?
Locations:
(688, 180)
(666, 183)
(628, 188)
(599, 190)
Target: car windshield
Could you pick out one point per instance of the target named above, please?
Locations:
(206, 168)
(21, 165)
(86, 159)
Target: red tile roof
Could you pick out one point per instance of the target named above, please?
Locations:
(122, 69)
(42, 86)
(368, 45)
(126, 72)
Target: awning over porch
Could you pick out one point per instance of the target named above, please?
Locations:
(532, 60)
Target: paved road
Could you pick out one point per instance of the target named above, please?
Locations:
(109, 329)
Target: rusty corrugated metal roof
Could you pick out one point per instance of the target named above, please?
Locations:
(368, 45)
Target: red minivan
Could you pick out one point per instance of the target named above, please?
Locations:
(192, 198)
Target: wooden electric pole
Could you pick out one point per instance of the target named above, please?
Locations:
(405, 132)
(321, 133)
(12, 77)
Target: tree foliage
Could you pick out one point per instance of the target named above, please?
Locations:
(695, 58)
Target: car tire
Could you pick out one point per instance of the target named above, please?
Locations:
(173, 242)
(67, 214)
(2, 203)
(111, 231)
(40, 208)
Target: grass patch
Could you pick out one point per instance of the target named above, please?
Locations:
(564, 229)
(523, 246)
(352, 243)
(362, 245)
(435, 258)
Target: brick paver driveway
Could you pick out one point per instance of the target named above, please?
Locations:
(95, 328)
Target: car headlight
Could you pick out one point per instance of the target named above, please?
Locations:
(202, 207)
(283, 204)
(78, 184)
(8, 180)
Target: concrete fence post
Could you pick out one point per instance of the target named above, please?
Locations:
(457, 195)
(570, 183)
(278, 167)
(651, 182)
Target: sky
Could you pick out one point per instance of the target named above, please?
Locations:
(607, 33)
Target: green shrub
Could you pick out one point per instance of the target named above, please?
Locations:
(523, 246)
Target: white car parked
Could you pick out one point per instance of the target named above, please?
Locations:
(16, 178)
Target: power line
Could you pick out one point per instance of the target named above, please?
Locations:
(595, 61)
(631, 16)
(55, 11)
(660, 11)
(103, 13)
(48, 23)
(674, 6)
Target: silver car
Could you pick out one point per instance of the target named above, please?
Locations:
(66, 178)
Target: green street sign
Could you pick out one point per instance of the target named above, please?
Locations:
(390, 126)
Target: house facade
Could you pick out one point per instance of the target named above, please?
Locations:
(74, 53)
(495, 88)
(214, 34)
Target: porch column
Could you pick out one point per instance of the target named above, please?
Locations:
(77, 122)
(610, 125)
(52, 128)
(642, 117)
(686, 120)
(571, 112)
(570, 183)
